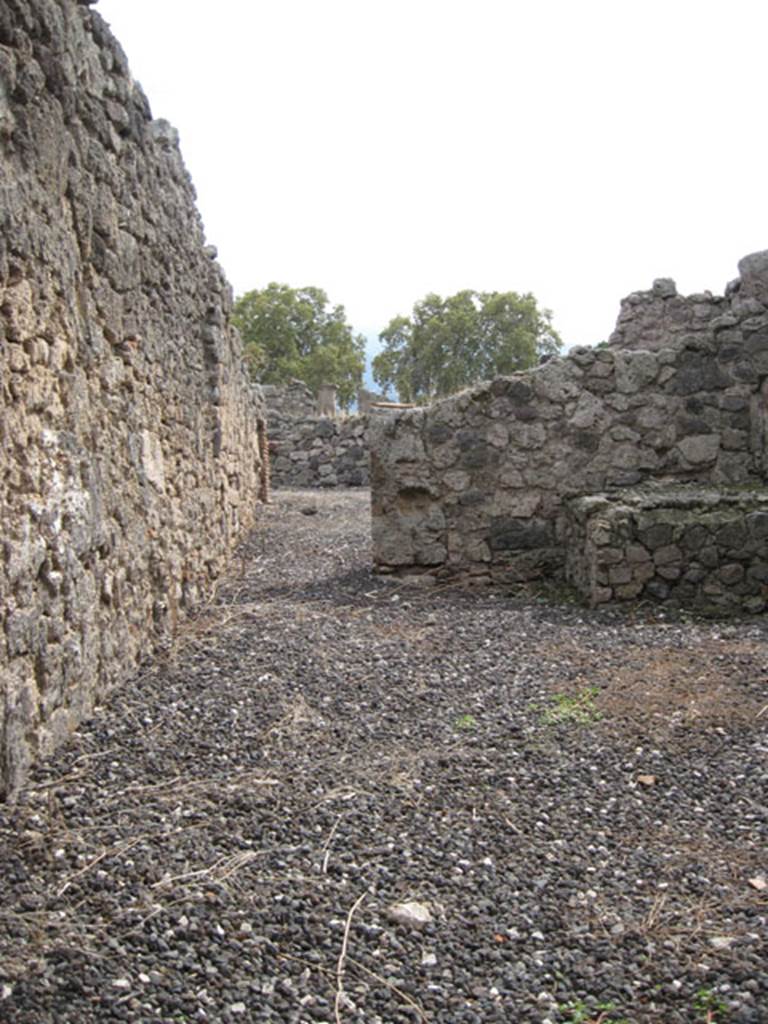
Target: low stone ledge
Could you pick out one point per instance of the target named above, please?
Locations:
(697, 547)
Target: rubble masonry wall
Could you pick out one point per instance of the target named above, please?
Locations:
(310, 450)
(477, 483)
(128, 433)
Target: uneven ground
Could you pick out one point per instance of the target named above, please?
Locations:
(579, 797)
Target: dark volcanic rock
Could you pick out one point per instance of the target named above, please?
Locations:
(578, 797)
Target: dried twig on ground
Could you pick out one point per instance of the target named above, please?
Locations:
(326, 850)
(110, 851)
(343, 956)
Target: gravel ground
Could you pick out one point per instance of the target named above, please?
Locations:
(578, 797)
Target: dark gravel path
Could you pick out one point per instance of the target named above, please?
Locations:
(579, 798)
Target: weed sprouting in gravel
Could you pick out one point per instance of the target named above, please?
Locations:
(574, 708)
(577, 1012)
(465, 722)
(710, 1008)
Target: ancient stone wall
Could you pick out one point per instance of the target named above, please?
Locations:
(128, 436)
(703, 548)
(477, 483)
(310, 450)
(292, 401)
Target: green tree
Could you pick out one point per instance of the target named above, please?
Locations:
(293, 333)
(448, 344)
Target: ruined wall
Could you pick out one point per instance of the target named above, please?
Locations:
(128, 432)
(292, 401)
(660, 317)
(320, 453)
(310, 450)
(477, 483)
(701, 547)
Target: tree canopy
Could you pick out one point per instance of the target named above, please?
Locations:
(448, 344)
(293, 333)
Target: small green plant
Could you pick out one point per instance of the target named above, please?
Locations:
(710, 1008)
(578, 708)
(579, 1013)
(466, 722)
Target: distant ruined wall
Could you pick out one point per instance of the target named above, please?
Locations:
(128, 436)
(310, 450)
(477, 483)
(291, 401)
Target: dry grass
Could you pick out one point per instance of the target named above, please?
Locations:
(298, 717)
(673, 914)
(662, 688)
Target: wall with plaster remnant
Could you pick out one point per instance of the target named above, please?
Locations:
(477, 483)
(128, 436)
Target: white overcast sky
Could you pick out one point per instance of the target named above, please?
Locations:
(382, 150)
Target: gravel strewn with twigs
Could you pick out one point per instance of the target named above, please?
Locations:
(579, 798)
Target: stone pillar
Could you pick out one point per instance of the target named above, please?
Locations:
(364, 399)
(326, 400)
(753, 271)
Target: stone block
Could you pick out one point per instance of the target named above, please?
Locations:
(608, 556)
(656, 535)
(669, 572)
(635, 371)
(757, 525)
(644, 571)
(508, 533)
(732, 535)
(657, 589)
(636, 554)
(696, 371)
(519, 503)
(699, 450)
(667, 555)
(457, 480)
(620, 574)
(753, 271)
(731, 573)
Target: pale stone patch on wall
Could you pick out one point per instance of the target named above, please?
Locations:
(152, 459)
(326, 400)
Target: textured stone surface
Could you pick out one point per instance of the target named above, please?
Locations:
(128, 429)
(701, 547)
(652, 319)
(312, 450)
(477, 483)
